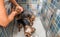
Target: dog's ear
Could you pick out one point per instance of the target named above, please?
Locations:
(19, 16)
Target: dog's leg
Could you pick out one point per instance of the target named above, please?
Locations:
(28, 30)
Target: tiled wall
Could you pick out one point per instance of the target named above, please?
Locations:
(50, 17)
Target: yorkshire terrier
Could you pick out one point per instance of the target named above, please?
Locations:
(25, 19)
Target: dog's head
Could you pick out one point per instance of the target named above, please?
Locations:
(26, 15)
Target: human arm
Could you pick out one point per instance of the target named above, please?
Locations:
(4, 18)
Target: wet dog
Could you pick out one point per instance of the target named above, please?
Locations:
(25, 19)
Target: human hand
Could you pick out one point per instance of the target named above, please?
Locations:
(19, 9)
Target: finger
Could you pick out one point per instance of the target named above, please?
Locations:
(21, 10)
(12, 9)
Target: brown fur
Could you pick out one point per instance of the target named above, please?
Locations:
(29, 27)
